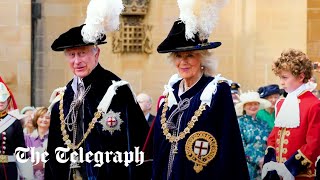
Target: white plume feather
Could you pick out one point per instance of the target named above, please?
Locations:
(200, 16)
(188, 17)
(102, 16)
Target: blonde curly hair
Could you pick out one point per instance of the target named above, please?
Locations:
(294, 61)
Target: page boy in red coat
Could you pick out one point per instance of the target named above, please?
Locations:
(293, 145)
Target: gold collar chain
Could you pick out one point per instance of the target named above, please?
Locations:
(65, 138)
(3, 113)
(191, 123)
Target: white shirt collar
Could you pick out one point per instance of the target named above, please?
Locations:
(75, 82)
(147, 116)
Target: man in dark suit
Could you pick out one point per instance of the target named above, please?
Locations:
(235, 92)
(145, 102)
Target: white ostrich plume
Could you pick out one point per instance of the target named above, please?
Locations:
(200, 16)
(103, 16)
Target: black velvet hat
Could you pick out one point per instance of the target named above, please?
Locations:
(269, 90)
(235, 87)
(176, 41)
(73, 38)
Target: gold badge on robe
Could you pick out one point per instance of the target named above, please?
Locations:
(201, 147)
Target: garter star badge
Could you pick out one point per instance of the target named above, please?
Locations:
(111, 121)
(201, 147)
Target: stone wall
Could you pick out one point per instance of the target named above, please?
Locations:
(253, 34)
(15, 47)
(313, 35)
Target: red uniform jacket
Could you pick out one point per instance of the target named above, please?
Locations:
(299, 147)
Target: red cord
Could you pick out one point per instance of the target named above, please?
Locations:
(4, 167)
(5, 172)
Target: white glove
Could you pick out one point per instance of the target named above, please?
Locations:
(279, 167)
(266, 168)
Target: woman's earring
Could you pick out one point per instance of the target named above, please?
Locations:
(202, 67)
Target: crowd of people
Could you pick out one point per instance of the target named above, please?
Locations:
(204, 127)
(27, 128)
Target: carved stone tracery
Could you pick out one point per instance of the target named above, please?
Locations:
(134, 35)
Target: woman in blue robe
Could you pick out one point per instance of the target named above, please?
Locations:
(196, 133)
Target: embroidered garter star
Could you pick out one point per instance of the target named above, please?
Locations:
(111, 121)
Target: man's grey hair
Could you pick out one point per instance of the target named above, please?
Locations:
(94, 49)
(149, 98)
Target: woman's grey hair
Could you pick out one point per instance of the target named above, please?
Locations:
(208, 61)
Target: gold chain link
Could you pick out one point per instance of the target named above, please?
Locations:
(191, 123)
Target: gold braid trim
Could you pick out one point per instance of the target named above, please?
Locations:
(65, 138)
(191, 123)
(305, 161)
(3, 113)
